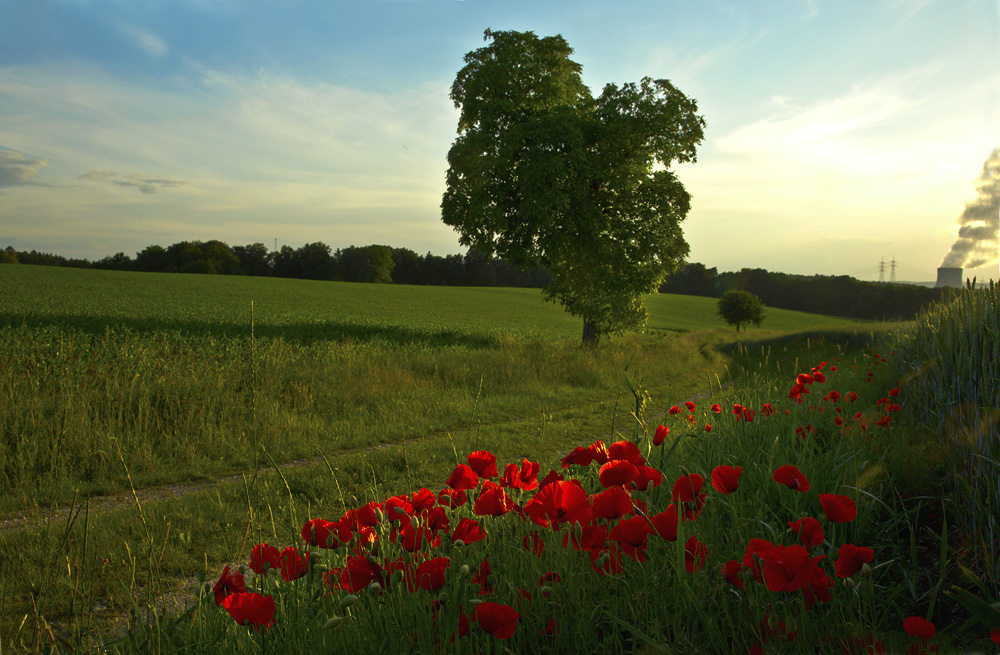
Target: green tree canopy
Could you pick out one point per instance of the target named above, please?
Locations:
(544, 174)
(738, 307)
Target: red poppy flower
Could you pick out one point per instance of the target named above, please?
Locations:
(293, 564)
(430, 573)
(687, 487)
(819, 377)
(263, 558)
(674, 410)
(250, 609)
(768, 410)
(484, 463)
(398, 507)
(647, 475)
(660, 435)
(851, 558)
(717, 408)
(559, 502)
(694, 555)
(366, 516)
(496, 619)
(726, 478)
(995, 636)
(468, 531)
(423, 499)
(551, 477)
(618, 472)
(358, 574)
(759, 551)
(230, 582)
(791, 477)
(791, 570)
(591, 537)
(666, 523)
(834, 395)
(521, 477)
(708, 428)
(626, 450)
(600, 451)
(463, 478)
(411, 537)
(549, 577)
(632, 535)
(482, 577)
(580, 456)
(533, 543)
(804, 378)
(893, 392)
(436, 519)
(686, 495)
(493, 500)
(551, 628)
(838, 509)
(325, 534)
(690, 406)
(810, 531)
(452, 498)
(731, 572)
(917, 626)
(612, 503)
(851, 397)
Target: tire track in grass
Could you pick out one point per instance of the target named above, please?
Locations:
(39, 517)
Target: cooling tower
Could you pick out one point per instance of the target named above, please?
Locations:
(949, 277)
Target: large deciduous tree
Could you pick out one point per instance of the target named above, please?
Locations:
(544, 174)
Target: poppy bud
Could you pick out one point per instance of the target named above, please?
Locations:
(459, 542)
(476, 601)
(790, 625)
(772, 622)
(375, 587)
(443, 597)
(865, 570)
(349, 600)
(577, 531)
(333, 622)
(396, 578)
(849, 583)
(546, 590)
(330, 541)
(463, 571)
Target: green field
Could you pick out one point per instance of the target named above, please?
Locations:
(114, 378)
(304, 311)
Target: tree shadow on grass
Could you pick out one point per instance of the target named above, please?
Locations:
(304, 333)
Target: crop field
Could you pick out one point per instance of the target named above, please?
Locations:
(118, 381)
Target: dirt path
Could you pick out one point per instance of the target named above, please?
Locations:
(123, 499)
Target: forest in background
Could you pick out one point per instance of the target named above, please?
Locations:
(834, 295)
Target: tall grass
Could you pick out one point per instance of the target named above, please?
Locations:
(949, 363)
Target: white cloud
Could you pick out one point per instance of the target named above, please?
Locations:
(149, 42)
(17, 170)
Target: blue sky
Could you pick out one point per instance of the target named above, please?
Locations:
(838, 133)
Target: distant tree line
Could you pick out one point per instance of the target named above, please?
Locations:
(313, 261)
(840, 295)
(834, 295)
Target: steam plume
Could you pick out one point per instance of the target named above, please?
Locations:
(977, 233)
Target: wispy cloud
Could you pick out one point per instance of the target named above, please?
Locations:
(144, 183)
(18, 170)
(147, 41)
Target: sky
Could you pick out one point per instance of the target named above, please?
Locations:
(840, 135)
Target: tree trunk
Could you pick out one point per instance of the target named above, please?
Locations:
(590, 337)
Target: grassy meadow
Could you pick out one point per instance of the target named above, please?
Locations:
(114, 381)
